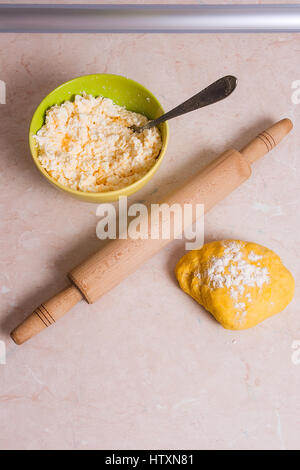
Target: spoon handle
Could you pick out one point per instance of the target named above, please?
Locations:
(215, 92)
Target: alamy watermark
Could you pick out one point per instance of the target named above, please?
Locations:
(295, 357)
(2, 353)
(157, 221)
(296, 93)
(2, 92)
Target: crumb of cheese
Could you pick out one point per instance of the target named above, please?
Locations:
(86, 144)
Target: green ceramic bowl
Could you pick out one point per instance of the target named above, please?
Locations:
(122, 91)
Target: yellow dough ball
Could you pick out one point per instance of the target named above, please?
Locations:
(239, 283)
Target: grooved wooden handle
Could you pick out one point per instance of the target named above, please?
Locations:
(46, 314)
(266, 140)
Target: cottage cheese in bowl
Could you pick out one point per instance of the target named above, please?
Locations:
(87, 145)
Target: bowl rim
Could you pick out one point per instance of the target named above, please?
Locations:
(131, 188)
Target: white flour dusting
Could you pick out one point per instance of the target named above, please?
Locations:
(253, 256)
(240, 305)
(234, 272)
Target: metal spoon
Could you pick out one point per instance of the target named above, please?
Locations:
(217, 91)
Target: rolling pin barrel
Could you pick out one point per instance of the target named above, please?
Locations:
(109, 266)
(118, 259)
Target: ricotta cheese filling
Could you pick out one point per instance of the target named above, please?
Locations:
(87, 145)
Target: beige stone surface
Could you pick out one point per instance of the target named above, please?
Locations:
(147, 367)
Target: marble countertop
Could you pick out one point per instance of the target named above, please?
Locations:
(146, 367)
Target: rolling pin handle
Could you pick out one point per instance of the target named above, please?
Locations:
(46, 314)
(266, 140)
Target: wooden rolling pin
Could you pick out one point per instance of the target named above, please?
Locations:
(104, 270)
